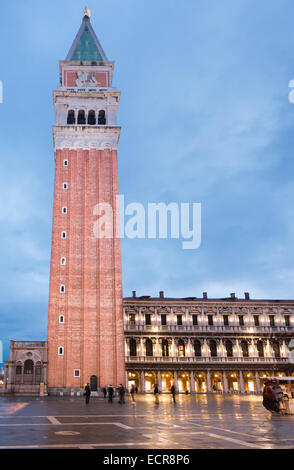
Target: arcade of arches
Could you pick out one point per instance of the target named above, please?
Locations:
(200, 381)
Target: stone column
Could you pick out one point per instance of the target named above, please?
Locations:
(143, 381)
(192, 382)
(176, 380)
(225, 383)
(34, 374)
(241, 379)
(208, 381)
(6, 376)
(127, 379)
(257, 382)
(159, 382)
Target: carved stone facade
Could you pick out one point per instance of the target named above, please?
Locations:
(207, 345)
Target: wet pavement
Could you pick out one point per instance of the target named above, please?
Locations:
(196, 422)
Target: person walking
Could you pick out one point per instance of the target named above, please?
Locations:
(121, 392)
(104, 391)
(87, 393)
(173, 392)
(156, 394)
(133, 391)
(110, 393)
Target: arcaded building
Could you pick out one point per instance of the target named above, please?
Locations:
(206, 345)
(94, 335)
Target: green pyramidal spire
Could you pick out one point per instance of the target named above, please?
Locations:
(86, 46)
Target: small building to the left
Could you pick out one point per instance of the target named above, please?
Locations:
(26, 370)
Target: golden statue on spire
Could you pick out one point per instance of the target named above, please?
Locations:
(87, 12)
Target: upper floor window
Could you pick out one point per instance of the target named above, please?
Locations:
(276, 348)
(226, 320)
(62, 289)
(61, 319)
(101, 117)
(149, 347)
(76, 372)
(60, 351)
(272, 320)
(179, 320)
(92, 118)
(260, 348)
(256, 320)
(148, 319)
(132, 319)
(81, 117)
(213, 348)
(133, 347)
(63, 261)
(197, 348)
(229, 348)
(64, 210)
(181, 348)
(63, 235)
(195, 319)
(244, 347)
(64, 186)
(71, 118)
(210, 320)
(65, 162)
(241, 320)
(163, 319)
(287, 320)
(165, 351)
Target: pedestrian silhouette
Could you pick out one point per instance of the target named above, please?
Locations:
(133, 390)
(173, 392)
(110, 393)
(121, 392)
(87, 393)
(156, 394)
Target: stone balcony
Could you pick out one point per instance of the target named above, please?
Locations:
(196, 360)
(206, 328)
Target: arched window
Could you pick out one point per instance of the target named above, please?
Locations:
(133, 347)
(28, 367)
(149, 347)
(165, 352)
(92, 118)
(71, 119)
(81, 117)
(276, 348)
(18, 370)
(244, 347)
(260, 348)
(213, 348)
(60, 351)
(197, 348)
(101, 117)
(229, 348)
(181, 348)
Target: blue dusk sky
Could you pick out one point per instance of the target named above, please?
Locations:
(205, 118)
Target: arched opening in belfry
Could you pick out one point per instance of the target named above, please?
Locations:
(81, 117)
(101, 117)
(91, 118)
(71, 118)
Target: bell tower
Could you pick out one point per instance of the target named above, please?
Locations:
(85, 318)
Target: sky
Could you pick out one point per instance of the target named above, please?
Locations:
(205, 118)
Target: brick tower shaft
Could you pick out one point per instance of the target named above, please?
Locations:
(85, 319)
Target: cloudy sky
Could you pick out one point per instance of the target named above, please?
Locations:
(205, 118)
